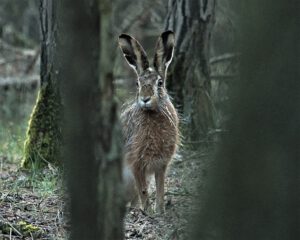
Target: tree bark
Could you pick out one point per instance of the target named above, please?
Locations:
(189, 80)
(92, 132)
(43, 141)
(112, 205)
(254, 189)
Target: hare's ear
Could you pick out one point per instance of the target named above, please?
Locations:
(164, 52)
(134, 53)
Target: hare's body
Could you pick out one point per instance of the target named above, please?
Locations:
(150, 123)
(151, 136)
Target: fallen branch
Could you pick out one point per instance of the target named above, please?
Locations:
(21, 81)
(18, 50)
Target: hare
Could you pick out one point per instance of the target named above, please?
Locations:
(150, 122)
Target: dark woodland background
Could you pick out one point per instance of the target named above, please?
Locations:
(234, 80)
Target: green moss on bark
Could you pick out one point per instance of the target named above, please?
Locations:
(43, 140)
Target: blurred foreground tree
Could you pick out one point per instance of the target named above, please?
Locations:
(92, 133)
(192, 21)
(254, 190)
(43, 141)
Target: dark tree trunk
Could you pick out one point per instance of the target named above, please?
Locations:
(254, 190)
(189, 80)
(92, 134)
(42, 145)
(110, 189)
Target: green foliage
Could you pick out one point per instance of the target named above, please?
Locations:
(22, 227)
(27, 228)
(47, 182)
(11, 141)
(42, 145)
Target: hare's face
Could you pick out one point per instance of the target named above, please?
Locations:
(150, 90)
(151, 82)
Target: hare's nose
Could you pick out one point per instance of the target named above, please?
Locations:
(146, 99)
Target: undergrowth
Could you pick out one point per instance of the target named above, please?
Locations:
(12, 138)
(13, 179)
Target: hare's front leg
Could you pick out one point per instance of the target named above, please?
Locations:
(142, 186)
(160, 189)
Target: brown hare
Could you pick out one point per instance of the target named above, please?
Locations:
(150, 122)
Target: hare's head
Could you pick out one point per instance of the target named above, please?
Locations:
(151, 87)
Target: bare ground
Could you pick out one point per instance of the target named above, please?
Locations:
(30, 209)
(184, 182)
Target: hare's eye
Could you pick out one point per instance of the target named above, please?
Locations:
(160, 83)
(137, 83)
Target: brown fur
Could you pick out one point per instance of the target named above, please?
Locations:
(151, 132)
(151, 141)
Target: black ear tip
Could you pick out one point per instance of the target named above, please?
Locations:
(168, 37)
(167, 33)
(124, 35)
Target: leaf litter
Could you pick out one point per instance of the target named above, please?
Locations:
(29, 210)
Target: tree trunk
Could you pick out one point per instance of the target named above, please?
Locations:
(92, 133)
(254, 188)
(112, 206)
(189, 79)
(43, 141)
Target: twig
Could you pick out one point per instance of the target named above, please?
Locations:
(223, 76)
(178, 194)
(51, 167)
(32, 62)
(31, 236)
(12, 227)
(224, 57)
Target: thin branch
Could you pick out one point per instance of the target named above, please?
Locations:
(223, 76)
(31, 64)
(224, 57)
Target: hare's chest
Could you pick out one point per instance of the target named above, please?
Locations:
(157, 139)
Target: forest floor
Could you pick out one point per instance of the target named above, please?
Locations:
(32, 204)
(184, 183)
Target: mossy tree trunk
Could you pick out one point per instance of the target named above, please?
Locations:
(189, 80)
(253, 192)
(43, 140)
(92, 133)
